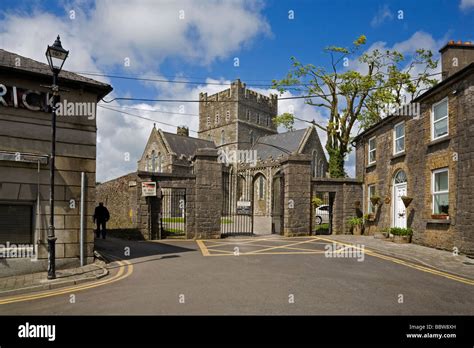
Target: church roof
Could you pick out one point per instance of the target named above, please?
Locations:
(183, 145)
(279, 144)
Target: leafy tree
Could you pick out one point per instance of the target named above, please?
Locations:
(382, 79)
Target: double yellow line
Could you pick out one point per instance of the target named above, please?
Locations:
(125, 270)
(407, 264)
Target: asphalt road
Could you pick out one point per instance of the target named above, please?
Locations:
(176, 278)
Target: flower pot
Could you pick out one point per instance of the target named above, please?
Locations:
(439, 216)
(375, 200)
(406, 200)
(371, 217)
(357, 230)
(401, 239)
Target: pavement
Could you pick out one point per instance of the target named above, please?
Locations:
(269, 275)
(26, 283)
(442, 260)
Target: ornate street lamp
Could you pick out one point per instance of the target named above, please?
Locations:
(56, 56)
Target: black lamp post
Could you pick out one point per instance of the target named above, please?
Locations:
(56, 56)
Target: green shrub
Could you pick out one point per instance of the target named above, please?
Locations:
(316, 201)
(398, 231)
(355, 221)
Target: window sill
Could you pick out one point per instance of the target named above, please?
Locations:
(439, 221)
(439, 141)
(398, 155)
(368, 166)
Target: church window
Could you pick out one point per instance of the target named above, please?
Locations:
(222, 137)
(227, 116)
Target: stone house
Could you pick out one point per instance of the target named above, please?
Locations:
(426, 154)
(25, 145)
(237, 124)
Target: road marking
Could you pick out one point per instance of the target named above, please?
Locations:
(271, 253)
(203, 248)
(286, 245)
(61, 291)
(408, 264)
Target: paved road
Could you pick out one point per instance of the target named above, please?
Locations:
(174, 277)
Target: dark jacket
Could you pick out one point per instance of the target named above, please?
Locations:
(101, 214)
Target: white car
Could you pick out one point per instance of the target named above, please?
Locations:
(321, 214)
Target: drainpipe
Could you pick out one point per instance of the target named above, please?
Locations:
(81, 234)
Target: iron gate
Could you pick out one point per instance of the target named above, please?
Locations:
(237, 207)
(173, 213)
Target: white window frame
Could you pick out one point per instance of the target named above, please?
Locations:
(395, 138)
(369, 150)
(370, 207)
(433, 193)
(432, 119)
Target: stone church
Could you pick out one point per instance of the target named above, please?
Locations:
(238, 123)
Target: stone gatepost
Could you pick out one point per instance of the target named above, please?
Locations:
(209, 194)
(296, 171)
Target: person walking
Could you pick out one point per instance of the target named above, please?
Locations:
(101, 216)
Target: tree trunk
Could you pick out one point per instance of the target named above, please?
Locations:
(336, 163)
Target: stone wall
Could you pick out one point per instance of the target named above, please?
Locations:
(345, 196)
(119, 197)
(296, 170)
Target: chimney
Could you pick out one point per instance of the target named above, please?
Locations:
(456, 56)
(183, 130)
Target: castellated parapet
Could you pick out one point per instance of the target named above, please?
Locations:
(236, 117)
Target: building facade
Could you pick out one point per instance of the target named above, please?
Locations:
(427, 156)
(25, 143)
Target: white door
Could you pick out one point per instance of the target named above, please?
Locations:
(399, 210)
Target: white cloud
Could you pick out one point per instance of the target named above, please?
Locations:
(466, 4)
(381, 16)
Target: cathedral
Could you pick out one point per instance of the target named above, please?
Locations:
(238, 122)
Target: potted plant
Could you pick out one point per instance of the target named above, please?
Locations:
(401, 235)
(406, 200)
(375, 199)
(356, 225)
(369, 217)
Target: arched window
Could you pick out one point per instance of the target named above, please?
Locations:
(248, 115)
(322, 173)
(209, 137)
(258, 118)
(217, 118)
(208, 121)
(153, 161)
(227, 116)
(241, 188)
(400, 177)
(147, 163)
(159, 163)
(261, 187)
(222, 137)
(251, 137)
(314, 164)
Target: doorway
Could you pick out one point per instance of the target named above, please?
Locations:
(399, 190)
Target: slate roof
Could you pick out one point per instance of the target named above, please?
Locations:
(183, 145)
(28, 65)
(279, 144)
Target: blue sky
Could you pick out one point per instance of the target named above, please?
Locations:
(202, 46)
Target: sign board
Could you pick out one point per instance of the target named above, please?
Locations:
(149, 189)
(244, 207)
